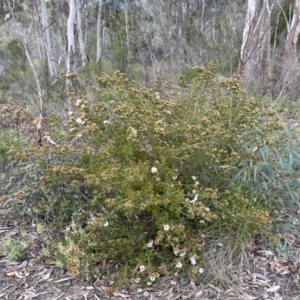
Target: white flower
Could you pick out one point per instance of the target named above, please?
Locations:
(182, 254)
(154, 170)
(146, 294)
(138, 280)
(78, 102)
(201, 270)
(178, 265)
(196, 183)
(105, 122)
(166, 227)
(149, 283)
(173, 282)
(207, 209)
(152, 278)
(174, 177)
(220, 244)
(193, 260)
(79, 121)
(201, 222)
(194, 191)
(106, 224)
(194, 178)
(142, 268)
(140, 290)
(150, 244)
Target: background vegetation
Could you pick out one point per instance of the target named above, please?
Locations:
(144, 164)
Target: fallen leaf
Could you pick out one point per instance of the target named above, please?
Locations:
(273, 265)
(125, 296)
(273, 289)
(105, 288)
(63, 279)
(47, 275)
(21, 274)
(283, 270)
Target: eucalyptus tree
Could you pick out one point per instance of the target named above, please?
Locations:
(47, 38)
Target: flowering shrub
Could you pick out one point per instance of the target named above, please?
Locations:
(136, 179)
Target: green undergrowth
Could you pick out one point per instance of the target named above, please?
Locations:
(136, 182)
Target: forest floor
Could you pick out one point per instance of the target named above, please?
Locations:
(261, 275)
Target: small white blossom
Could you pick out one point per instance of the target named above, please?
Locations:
(105, 122)
(220, 244)
(194, 191)
(174, 177)
(142, 268)
(207, 209)
(140, 290)
(106, 224)
(202, 222)
(193, 260)
(138, 280)
(173, 282)
(78, 102)
(201, 270)
(152, 278)
(79, 121)
(178, 265)
(146, 294)
(149, 283)
(150, 244)
(182, 254)
(197, 183)
(194, 178)
(154, 170)
(166, 227)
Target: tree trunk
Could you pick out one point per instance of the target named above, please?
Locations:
(99, 32)
(71, 47)
(255, 39)
(47, 40)
(248, 33)
(289, 53)
(126, 29)
(80, 35)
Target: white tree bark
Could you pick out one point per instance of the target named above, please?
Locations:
(254, 46)
(99, 32)
(71, 36)
(71, 47)
(47, 40)
(247, 34)
(80, 35)
(127, 30)
(293, 34)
